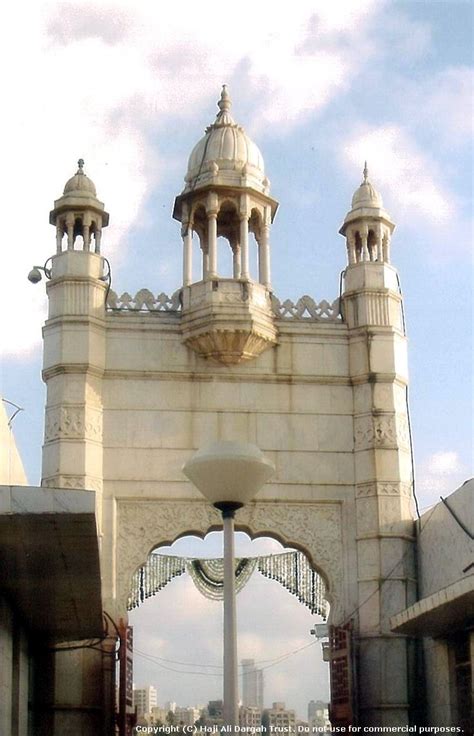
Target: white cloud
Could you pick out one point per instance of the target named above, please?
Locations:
(441, 105)
(439, 475)
(94, 80)
(403, 172)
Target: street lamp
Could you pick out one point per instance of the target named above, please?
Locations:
(229, 474)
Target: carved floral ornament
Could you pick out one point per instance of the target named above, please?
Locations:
(315, 529)
(73, 422)
(305, 308)
(386, 430)
(74, 482)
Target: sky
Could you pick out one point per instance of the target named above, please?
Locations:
(321, 87)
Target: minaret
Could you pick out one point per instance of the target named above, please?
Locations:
(79, 213)
(372, 310)
(226, 317)
(74, 341)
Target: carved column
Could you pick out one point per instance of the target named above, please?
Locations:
(70, 230)
(211, 212)
(86, 226)
(237, 261)
(187, 235)
(351, 247)
(264, 256)
(244, 245)
(59, 235)
(97, 238)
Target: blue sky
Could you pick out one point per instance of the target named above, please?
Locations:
(320, 87)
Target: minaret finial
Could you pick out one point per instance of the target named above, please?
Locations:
(366, 172)
(225, 103)
(80, 164)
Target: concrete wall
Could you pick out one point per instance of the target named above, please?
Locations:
(14, 674)
(444, 549)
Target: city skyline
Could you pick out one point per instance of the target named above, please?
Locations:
(175, 706)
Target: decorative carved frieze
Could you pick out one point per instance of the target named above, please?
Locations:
(316, 529)
(144, 301)
(383, 489)
(73, 482)
(382, 430)
(307, 309)
(73, 422)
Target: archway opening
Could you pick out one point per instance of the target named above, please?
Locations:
(178, 642)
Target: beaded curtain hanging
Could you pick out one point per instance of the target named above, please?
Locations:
(290, 569)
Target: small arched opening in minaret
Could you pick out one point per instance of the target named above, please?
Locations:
(228, 240)
(372, 245)
(78, 231)
(255, 231)
(199, 219)
(197, 256)
(358, 247)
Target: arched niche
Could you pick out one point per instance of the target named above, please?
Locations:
(314, 529)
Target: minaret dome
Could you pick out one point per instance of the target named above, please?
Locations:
(79, 214)
(367, 226)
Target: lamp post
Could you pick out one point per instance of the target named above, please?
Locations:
(229, 474)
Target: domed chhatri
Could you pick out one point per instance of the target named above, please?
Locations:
(80, 182)
(367, 226)
(78, 213)
(226, 317)
(225, 153)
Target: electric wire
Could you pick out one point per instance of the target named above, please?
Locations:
(410, 433)
(457, 519)
(17, 408)
(154, 659)
(389, 574)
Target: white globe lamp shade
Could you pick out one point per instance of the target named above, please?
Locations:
(229, 472)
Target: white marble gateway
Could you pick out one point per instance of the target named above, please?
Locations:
(137, 383)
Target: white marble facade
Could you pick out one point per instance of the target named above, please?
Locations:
(133, 390)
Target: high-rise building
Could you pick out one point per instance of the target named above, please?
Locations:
(252, 684)
(144, 699)
(186, 716)
(278, 718)
(250, 716)
(318, 713)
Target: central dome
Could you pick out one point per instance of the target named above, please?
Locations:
(225, 152)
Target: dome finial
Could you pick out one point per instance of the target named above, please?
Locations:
(225, 103)
(366, 172)
(80, 164)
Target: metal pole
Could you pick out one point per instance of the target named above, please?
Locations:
(230, 624)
